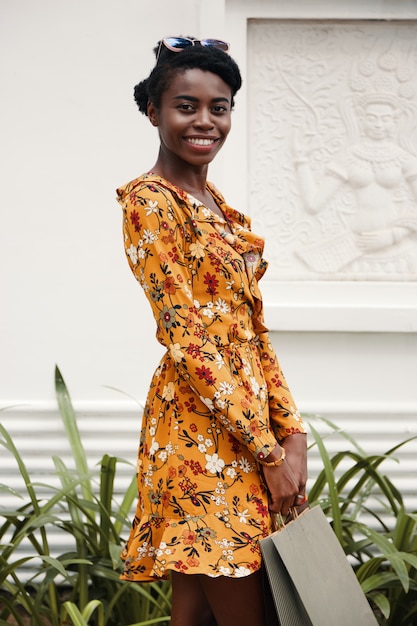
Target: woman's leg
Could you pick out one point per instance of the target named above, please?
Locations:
(199, 600)
(189, 603)
(236, 600)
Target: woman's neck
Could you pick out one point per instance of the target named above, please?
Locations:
(188, 179)
(183, 175)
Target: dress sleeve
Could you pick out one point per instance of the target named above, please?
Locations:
(163, 258)
(283, 413)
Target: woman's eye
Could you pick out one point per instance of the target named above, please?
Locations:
(185, 106)
(219, 109)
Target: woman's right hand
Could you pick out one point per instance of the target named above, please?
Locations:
(287, 481)
(282, 488)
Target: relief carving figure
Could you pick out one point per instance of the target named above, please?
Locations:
(333, 148)
(380, 228)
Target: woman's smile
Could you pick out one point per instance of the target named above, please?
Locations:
(197, 141)
(202, 145)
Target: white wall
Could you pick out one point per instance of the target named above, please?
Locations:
(70, 134)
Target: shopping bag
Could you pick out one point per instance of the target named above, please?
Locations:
(310, 579)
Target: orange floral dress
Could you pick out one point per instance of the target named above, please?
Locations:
(217, 402)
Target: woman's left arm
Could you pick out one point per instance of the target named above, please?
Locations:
(283, 413)
(285, 419)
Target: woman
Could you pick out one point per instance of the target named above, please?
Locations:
(222, 439)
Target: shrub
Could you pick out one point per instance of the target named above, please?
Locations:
(82, 586)
(382, 549)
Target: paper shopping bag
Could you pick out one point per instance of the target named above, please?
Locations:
(311, 581)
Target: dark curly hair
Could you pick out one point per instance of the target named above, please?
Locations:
(169, 64)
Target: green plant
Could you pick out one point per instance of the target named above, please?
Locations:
(383, 553)
(81, 586)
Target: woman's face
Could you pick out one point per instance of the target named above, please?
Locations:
(194, 118)
(379, 120)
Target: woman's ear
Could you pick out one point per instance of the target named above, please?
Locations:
(153, 114)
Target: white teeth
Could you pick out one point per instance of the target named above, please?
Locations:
(200, 142)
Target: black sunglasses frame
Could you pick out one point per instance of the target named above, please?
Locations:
(187, 42)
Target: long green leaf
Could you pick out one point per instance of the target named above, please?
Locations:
(320, 483)
(381, 601)
(107, 474)
(404, 535)
(82, 618)
(71, 428)
(390, 552)
(77, 529)
(8, 443)
(331, 480)
(70, 609)
(336, 429)
(92, 606)
(378, 581)
(367, 465)
(369, 568)
(126, 505)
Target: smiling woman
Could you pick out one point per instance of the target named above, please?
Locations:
(193, 119)
(220, 420)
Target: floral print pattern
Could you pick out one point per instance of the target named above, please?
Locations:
(218, 400)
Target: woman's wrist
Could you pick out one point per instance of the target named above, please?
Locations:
(275, 458)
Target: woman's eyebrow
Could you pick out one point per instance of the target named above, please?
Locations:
(194, 99)
(185, 97)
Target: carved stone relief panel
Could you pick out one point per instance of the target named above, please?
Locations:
(333, 148)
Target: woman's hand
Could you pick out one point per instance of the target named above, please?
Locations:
(288, 480)
(296, 456)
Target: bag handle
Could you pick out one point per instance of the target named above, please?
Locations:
(278, 521)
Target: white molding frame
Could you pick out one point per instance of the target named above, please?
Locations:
(344, 306)
(340, 306)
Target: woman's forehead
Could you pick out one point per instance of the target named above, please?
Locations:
(194, 79)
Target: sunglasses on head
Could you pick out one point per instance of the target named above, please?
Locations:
(177, 44)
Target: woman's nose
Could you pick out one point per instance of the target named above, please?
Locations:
(203, 119)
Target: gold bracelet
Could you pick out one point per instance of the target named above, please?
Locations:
(276, 463)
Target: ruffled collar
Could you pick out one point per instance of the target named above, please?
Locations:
(246, 243)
